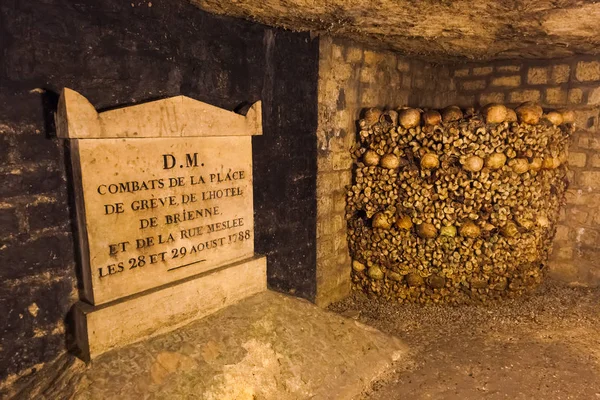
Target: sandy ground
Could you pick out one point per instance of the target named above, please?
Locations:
(542, 346)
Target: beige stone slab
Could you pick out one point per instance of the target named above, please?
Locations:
(156, 210)
(99, 329)
(178, 116)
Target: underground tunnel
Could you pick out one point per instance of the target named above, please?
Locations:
(294, 200)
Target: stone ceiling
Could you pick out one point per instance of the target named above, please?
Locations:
(441, 30)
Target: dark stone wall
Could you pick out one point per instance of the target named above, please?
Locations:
(119, 53)
(284, 201)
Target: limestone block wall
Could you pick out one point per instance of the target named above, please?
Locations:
(572, 83)
(352, 78)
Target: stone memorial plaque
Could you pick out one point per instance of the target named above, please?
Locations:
(162, 192)
(159, 210)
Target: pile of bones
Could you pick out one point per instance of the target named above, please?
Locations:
(452, 206)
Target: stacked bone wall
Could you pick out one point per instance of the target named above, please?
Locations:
(352, 77)
(456, 211)
(572, 83)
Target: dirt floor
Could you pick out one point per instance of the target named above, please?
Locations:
(543, 346)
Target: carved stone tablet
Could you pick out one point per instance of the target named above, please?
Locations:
(163, 193)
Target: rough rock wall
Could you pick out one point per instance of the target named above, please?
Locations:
(351, 78)
(438, 30)
(572, 83)
(120, 53)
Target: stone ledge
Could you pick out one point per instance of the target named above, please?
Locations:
(268, 346)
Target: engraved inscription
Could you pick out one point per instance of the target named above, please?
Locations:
(159, 210)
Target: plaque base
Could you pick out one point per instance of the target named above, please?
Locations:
(129, 320)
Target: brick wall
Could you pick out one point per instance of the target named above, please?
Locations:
(350, 79)
(119, 53)
(572, 83)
